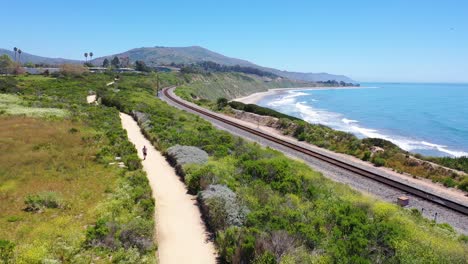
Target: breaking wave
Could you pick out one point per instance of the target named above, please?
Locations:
(288, 103)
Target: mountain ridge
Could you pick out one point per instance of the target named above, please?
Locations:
(35, 59)
(158, 55)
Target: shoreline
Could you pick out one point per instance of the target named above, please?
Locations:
(256, 97)
(442, 150)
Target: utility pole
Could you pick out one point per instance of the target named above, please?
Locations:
(157, 85)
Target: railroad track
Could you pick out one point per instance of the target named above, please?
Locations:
(335, 162)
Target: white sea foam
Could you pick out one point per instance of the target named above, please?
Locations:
(287, 99)
(288, 104)
(349, 121)
(444, 149)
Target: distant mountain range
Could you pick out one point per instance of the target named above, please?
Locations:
(155, 56)
(26, 57)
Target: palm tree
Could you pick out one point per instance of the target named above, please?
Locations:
(91, 55)
(19, 55)
(16, 50)
(86, 56)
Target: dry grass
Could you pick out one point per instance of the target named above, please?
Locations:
(38, 156)
(13, 105)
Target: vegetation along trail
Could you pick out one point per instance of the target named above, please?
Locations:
(180, 230)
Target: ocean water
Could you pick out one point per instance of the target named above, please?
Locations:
(430, 119)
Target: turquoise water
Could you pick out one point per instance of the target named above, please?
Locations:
(431, 119)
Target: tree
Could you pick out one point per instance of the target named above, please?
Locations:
(86, 56)
(105, 63)
(141, 66)
(7, 66)
(221, 103)
(91, 55)
(115, 62)
(19, 55)
(18, 70)
(124, 61)
(72, 69)
(16, 51)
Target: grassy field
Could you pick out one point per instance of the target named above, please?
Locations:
(61, 200)
(290, 213)
(13, 105)
(40, 156)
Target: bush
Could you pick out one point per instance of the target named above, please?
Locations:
(449, 182)
(367, 156)
(7, 66)
(102, 234)
(42, 200)
(131, 256)
(8, 85)
(132, 161)
(72, 69)
(221, 208)
(180, 155)
(221, 103)
(378, 162)
(200, 177)
(236, 245)
(463, 185)
(6, 251)
(137, 234)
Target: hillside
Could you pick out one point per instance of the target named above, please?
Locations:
(233, 85)
(154, 56)
(26, 57)
(185, 55)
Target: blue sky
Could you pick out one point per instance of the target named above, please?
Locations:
(397, 40)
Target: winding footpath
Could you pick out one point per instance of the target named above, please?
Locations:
(181, 233)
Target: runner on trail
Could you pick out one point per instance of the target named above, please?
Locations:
(144, 152)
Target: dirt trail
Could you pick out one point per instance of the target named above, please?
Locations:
(181, 233)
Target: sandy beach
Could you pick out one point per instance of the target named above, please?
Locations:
(256, 97)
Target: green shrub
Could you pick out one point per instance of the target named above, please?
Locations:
(463, 238)
(14, 218)
(265, 258)
(378, 162)
(42, 200)
(6, 251)
(449, 182)
(367, 156)
(463, 185)
(138, 233)
(221, 103)
(221, 207)
(132, 161)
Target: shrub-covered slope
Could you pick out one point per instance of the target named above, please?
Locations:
(231, 85)
(266, 208)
